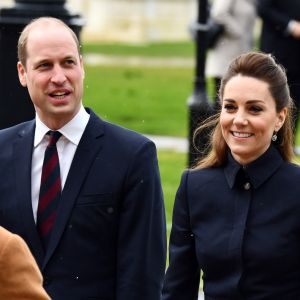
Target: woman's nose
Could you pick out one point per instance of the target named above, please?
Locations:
(240, 119)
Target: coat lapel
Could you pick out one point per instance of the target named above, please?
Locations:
(90, 144)
(22, 164)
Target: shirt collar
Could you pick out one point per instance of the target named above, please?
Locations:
(257, 171)
(72, 131)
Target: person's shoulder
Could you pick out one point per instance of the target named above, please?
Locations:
(20, 128)
(12, 244)
(210, 171)
(7, 237)
(124, 132)
(201, 176)
(204, 181)
(289, 174)
(291, 167)
(4, 234)
(118, 133)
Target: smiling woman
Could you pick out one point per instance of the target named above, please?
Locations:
(232, 217)
(254, 84)
(249, 118)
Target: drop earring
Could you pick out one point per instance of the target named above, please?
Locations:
(274, 136)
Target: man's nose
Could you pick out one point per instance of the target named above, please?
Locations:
(58, 75)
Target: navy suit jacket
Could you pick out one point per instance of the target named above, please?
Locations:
(108, 240)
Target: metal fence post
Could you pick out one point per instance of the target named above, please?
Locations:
(198, 104)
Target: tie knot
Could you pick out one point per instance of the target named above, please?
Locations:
(54, 137)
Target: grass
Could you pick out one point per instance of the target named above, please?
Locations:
(179, 49)
(148, 100)
(172, 165)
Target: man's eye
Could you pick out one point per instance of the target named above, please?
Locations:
(43, 65)
(70, 62)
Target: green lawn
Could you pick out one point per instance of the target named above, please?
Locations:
(148, 100)
(171, 165)
(180, 49)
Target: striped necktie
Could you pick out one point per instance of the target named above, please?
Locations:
(50, 189)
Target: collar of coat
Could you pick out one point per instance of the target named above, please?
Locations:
(257, 171)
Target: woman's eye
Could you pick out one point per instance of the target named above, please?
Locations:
(229, 107)
(255, 109)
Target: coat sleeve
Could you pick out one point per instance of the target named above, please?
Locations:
(267, 10)
(141, 247)
(223, 12)
(183, 274)
(20, 277)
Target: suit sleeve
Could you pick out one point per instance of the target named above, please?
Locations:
(183, 274)
(267, 10)
(142, 230)
(20, 277)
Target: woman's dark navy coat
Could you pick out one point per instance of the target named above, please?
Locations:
(241, 227)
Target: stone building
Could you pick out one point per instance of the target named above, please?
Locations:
(134, 21)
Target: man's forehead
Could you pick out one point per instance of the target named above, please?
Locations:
(43, 27)
(50, 37)
(44, 23)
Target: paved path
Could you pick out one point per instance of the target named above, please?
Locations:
(170, 143)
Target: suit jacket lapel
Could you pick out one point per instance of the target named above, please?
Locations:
(22, 164)
(87, 149)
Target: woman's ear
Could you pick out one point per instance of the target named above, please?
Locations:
(281, 118)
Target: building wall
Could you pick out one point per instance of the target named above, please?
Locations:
(135, 21)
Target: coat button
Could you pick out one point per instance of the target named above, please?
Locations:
(247, 186)
(110, 210)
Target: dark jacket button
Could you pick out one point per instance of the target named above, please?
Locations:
(247, 186)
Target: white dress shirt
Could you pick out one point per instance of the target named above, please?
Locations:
(66, 148)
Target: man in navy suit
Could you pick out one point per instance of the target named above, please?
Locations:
(107, 239)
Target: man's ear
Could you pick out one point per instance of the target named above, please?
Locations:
(82, 66)
(22, 74)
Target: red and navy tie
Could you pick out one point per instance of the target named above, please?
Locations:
(50, 189)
